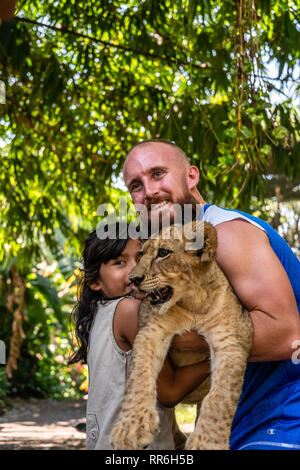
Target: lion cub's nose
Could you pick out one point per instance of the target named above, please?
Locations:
(136, 280)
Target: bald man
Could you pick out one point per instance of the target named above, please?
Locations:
(174, 180)
(264, 273)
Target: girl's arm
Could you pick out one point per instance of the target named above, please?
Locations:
(172, 384)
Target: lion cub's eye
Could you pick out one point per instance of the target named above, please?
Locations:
(162, 253)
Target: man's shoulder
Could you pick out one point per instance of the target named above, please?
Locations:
(233, 221)
(240, 244)
(241, 231)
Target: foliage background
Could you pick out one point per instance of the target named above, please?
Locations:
(84, 82)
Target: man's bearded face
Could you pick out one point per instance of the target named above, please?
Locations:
(158, 180)
(172, 208)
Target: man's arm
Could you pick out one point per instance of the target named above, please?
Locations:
(262, 285)
(172, 384)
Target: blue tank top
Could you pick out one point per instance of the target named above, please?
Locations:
(271, 390)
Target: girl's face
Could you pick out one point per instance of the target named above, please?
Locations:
(114, 275)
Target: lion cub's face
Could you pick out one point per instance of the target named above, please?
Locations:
(167, 267)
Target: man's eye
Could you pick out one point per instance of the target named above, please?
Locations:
(135, 186)
(162, 253)
(158, 172)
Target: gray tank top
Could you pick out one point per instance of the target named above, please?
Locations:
(108, 367)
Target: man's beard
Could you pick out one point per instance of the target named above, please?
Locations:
(190, 210)
(195, 207)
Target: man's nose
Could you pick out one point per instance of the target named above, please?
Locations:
(151, 191)
(137, 280)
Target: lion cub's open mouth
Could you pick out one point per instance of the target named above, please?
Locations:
(160, 296)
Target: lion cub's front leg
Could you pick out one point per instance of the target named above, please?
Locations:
(229, 360)
(139, 418)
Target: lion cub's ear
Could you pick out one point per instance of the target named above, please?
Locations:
(201, 239)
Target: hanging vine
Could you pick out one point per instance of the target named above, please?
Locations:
(247, 66)
(15, 298)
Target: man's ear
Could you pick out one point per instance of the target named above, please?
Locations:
(208, 251)
(193, 176)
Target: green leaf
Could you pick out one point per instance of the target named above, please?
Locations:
(231, 132)
(280, 132)
(247, 133)
(266, 149)
(44, 286)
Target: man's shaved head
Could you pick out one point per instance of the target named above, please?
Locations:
(183, 160)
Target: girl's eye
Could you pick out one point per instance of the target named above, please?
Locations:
(120, 261)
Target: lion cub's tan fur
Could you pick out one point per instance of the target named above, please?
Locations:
(202, 300)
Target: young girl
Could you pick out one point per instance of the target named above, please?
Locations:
(106, 324)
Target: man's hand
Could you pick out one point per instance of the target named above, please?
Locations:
(190, 341)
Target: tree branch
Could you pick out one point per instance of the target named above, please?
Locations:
(168, 60)
(109, 44)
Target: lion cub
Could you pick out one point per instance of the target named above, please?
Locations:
(187, 290)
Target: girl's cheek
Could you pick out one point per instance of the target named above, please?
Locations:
(123, 275)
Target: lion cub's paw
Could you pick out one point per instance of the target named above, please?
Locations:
(196, 442)
(135, 431)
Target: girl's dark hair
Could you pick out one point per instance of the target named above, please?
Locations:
(96, 251)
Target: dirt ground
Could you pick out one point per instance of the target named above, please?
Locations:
(34, 424)
(43, 425)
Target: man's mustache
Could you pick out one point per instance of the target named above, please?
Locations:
(156, 201)
(188, 200)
